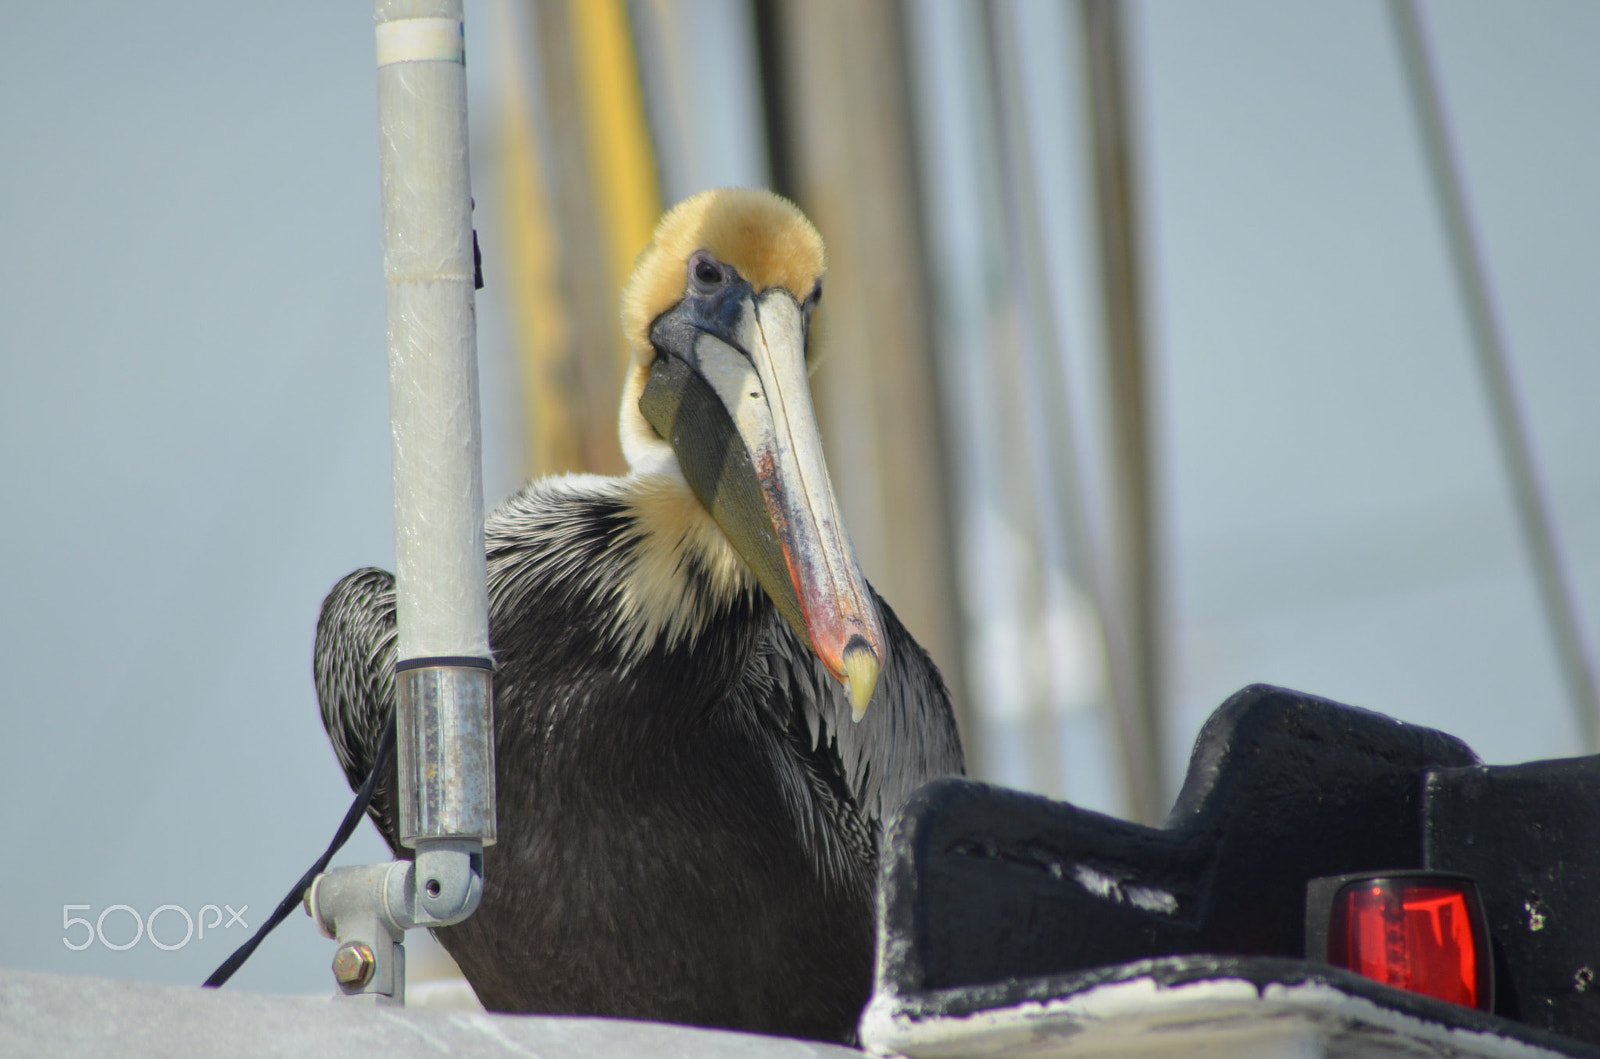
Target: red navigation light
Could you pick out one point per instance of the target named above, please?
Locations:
(1420, 932)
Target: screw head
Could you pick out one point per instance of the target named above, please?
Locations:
(353, 964)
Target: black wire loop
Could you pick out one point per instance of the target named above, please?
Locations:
(346, 828)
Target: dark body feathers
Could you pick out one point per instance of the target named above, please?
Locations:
(688, 819)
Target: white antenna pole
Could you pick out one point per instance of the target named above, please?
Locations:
(443, 693)
(433, 375)
(440, 600)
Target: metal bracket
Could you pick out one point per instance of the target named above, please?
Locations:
(352, 905)
(369, 908)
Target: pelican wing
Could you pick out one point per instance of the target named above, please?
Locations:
(353, 666)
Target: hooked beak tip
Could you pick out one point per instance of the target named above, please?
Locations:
(861, 669)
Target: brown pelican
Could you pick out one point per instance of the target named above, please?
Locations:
(703, 712)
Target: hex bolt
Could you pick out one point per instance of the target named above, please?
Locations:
(353, 964)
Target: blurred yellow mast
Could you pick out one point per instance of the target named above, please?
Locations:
(580, 206)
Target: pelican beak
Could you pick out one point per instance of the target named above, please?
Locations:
(729, 391)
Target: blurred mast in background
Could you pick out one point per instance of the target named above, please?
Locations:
(674, 41)
(1136, 612)
(582, 187)
(1041, 443)
(1120, 577)
(529, 256)
(839, 125)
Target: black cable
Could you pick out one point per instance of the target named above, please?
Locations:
(347, 828)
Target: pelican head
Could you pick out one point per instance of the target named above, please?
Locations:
(718, 314)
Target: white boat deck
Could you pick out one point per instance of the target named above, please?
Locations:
(68, 1017)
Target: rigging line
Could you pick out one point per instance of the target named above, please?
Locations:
(347, 827)
(1538, 531)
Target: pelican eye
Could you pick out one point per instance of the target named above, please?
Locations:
(705, 273)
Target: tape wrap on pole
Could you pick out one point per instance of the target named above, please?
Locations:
(408, 40)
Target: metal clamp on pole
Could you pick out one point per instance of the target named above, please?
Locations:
(443, 681)
(446, 746)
